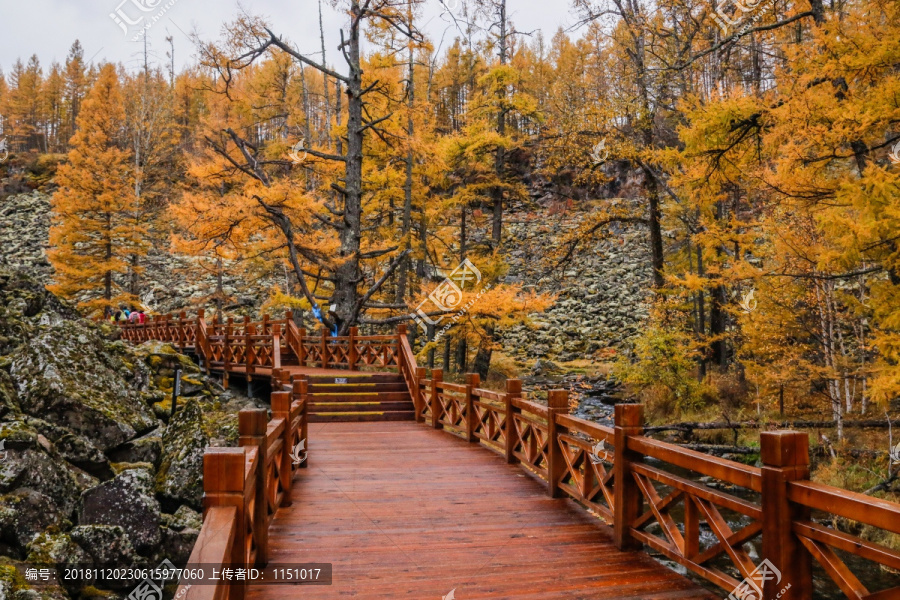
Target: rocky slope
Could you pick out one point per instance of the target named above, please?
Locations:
(601, 292)
(93, 470)
(169, 283)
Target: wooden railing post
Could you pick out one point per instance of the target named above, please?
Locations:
(557, 403)
(351, 351)
(248, 349)
(473, 380)
(629, 419)
(437, 376)
(265, 324)
(252, 424)
(301, 348)
(226, 350)
(281, 409)
(324, 348)
(785, 457)
(417, 401)
(276, 347)
(182, 337)
(401, 335)
(513, 390)
(288, 319)
(300, 389)
(223, 485)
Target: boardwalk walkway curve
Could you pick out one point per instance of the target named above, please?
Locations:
(634, 484)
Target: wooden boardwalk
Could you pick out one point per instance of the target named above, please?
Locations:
(404, 511)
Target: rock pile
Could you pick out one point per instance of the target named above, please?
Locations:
(24, 234)
(170, 282)
(602, 291)
(94, 471)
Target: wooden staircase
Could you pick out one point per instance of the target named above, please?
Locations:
(359, 396)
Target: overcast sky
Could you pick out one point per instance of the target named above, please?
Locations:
(48, 27)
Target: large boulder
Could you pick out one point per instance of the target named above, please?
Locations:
(179, 479)
(24, 514)
(126, 501)
(145, 449)
(30, 462)
(106, 544)
(69, 374)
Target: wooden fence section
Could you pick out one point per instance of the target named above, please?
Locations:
(661, 503)
(244, 486)
(257, 348)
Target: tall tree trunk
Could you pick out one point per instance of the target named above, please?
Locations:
(347, 274)
(500, 158)
(403, 275)
(325, 77)
(482, 362)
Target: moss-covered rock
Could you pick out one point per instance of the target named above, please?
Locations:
(146, 449)
(53, 548)
(70, 375)
(30, 463)
(179, 479)
(25, 513)
(106, 544)
(127, 501)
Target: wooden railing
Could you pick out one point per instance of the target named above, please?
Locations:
(244, 486)
(658, 495)
(652, 493)
(256, 348)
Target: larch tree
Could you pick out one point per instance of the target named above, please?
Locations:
(94, 231)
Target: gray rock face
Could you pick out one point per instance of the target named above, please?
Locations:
(72, 378)
(128, 502)
(145, 449)
(184, 442)
(30, 463)
(106, 544)
(25, 513)
(24, 227)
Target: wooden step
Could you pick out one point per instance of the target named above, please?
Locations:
(364, 397)
(331, 407)
(396, 415)
(356, 388)
(357, 377)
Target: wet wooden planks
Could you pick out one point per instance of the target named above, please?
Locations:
(403, 511)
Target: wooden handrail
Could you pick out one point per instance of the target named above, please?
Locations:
(604, 469)
(257, 474)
